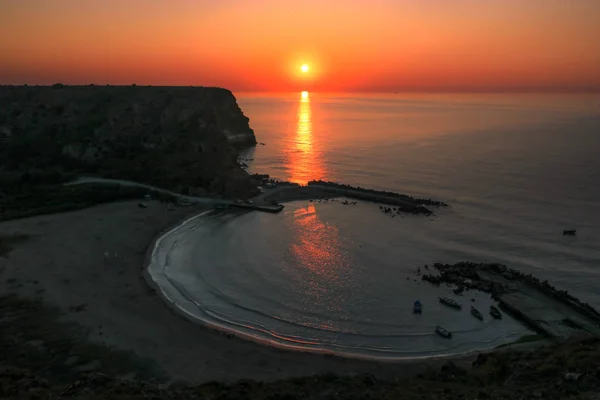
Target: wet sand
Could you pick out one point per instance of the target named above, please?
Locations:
(64, 263)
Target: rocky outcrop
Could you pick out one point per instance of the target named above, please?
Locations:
(180, 138)
(465, 274)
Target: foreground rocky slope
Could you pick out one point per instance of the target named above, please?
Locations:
(30, 369)
(179, 138)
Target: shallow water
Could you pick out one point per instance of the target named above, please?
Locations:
(517, 170)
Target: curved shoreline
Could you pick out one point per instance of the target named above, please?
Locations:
(154, 283)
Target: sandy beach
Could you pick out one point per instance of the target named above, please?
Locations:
(90, 264)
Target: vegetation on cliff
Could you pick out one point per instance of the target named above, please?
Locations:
(179, 138)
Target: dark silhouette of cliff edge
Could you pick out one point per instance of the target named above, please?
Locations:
(180, 138)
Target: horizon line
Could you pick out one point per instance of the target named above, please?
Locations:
(388, 91)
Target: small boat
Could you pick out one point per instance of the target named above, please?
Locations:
(569, 232)
(443, 332)
(494, 312)
(450, 302)
(417, 307)
(476, 313)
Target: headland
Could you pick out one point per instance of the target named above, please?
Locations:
(184, 139)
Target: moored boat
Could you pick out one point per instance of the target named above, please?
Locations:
(450, 302)
(417, 308)
(443, 332)
(494, 312)
(476, 313)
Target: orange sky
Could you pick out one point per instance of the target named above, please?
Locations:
(350, 45)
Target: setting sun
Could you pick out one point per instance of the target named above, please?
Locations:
(323, 46)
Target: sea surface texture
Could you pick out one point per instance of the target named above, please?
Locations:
(516, 170)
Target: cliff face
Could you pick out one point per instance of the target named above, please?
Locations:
(179, 138)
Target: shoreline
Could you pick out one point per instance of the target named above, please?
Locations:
(62, 265)
(180, 311)
(196, 361)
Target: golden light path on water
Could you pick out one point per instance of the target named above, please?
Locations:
(317, 249)
(304, 161)
(316, 246)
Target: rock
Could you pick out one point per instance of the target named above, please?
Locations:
(36, 393)
(72, 360)
(98, 379)
(480, 360)
(89, 367)
(451, 368)
(5, 131)
(369, 380)
(78, 308)
(572, 376)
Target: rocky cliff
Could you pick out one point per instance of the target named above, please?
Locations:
(180, 138)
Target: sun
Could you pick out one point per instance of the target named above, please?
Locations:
(304, 68)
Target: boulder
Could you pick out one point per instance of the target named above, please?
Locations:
(451, 368)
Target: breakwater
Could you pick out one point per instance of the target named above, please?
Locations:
(277, 191)
(547, 309)
(378, 193)
(324, 190)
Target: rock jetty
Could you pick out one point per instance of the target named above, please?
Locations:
(426, 202)
(516, 292)
(402, 203)
(466, 275)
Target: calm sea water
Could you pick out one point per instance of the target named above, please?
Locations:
(516, 170)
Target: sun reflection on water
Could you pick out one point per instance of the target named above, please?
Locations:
(304, 160)
(317, 249)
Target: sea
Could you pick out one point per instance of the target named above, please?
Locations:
(515, 169)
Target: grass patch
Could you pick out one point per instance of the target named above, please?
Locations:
(49, 199)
